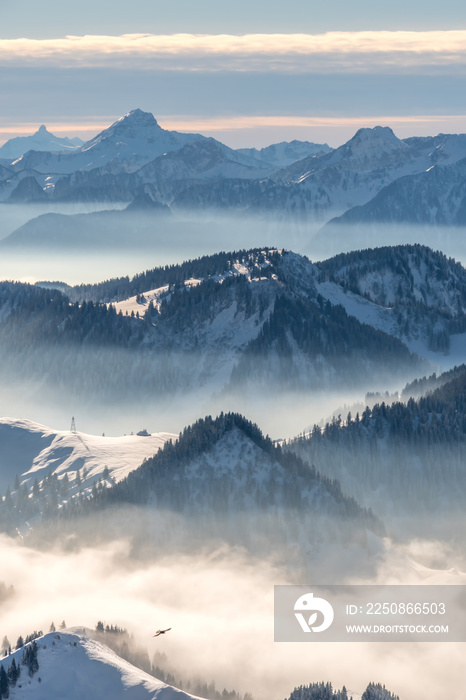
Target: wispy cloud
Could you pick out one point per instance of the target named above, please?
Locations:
(344, 51)
(195, 123)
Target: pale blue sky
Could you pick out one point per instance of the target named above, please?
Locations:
(53, 18)
(248, 93)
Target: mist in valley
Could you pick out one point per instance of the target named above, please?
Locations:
(218, 599)
(333, 239)
(97, 241)
(94, 242)
(211, 579)
(132, 395)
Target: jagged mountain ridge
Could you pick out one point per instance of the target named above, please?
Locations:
(41, 140)
(189, 171)
(133, 140)
(436, 197)
(319, 186)
(101, 168)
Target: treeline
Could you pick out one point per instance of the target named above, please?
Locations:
(325, 691)
(318, 330)
(273, 479)
(46, 316)
(201, 268)
(351, 269)
(437, 417)
(403, 458)
(124, 644)
(421, 387)
(44, 498)
(10, 674)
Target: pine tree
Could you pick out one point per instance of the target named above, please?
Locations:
(13, 673)
(4, 685)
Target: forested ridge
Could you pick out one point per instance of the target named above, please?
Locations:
(400, 458)
(281, 479)
(200, 268)
(255, 315)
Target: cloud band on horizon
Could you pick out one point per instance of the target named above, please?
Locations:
(362, 52)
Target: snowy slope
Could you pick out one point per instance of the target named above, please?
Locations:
(436, 197)
(42, 140)
(132, 140)
(73, 666)
(32, 451)
(286, 152)
(351, 174)
(442, 149)
(319, 186)
(410, 291)
(139, 303)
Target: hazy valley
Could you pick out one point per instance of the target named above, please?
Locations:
(254, 397)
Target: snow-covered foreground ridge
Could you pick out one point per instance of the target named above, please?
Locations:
(73, 666)
(32, 451)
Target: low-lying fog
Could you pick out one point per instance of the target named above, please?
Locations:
(219, 604)
(109, 244)
(280, 415)
(90, 249)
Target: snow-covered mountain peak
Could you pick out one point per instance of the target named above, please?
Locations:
(376, 132)
(371, 147)
(42, 140)
(138, 116)
(72, 664)
(135, 125)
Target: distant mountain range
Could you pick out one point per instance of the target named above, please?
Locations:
(436, 197)
(42, 140)
(373, 178)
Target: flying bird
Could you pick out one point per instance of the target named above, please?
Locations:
(159, 632)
